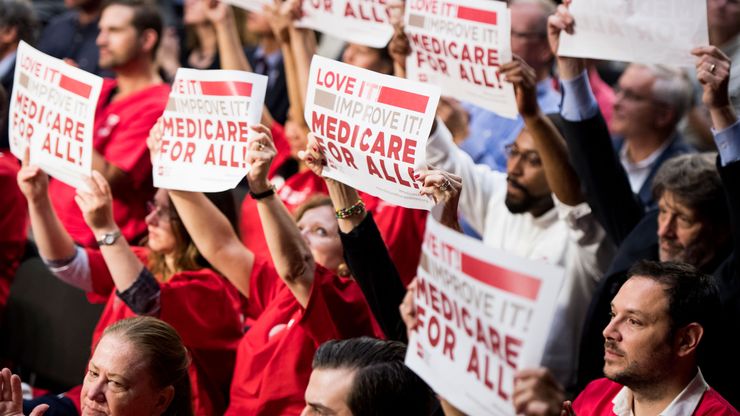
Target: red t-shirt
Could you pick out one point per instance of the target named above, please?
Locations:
(13, 224)
(202, 306)
(596, 400)
(402, 229)
(120, 132)
(273, 362)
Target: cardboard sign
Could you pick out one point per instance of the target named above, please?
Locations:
(365, 22)
(207, 129)
(372, 128)
(460, 45)
(482, 314)
(645, 31)
(254, 6)
(52, 110)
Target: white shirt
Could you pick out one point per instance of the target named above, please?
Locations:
(638, 172)
(566, 236)
(683, 404)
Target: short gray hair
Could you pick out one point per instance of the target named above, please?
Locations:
(548, 8)
(673, 88)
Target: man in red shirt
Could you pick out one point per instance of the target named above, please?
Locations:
(659, 318)
(128, 107)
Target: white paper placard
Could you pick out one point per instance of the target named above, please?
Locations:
(207, 129)
(373, 128)
(52, 110)
(460, 46)
(482, 314)
(645, 31)
(365, 22)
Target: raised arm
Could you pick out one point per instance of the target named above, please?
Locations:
(550, 145)
(209, 228)
(290, 253)
(607, 188)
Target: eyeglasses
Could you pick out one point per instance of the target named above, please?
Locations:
(530, 157)
(161, 213)
(628, 94)
(528, 35)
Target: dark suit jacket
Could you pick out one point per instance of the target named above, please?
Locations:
(635, 232)
(276, 98)
(677, 147)
(7, 83)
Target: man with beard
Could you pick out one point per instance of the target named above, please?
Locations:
(696, 220)
(660, 319)
(128, 107)
(535, 211)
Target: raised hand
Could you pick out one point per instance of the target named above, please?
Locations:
(562, 20)
(313, 156)
(97, 204)
(281, 16)
(407, 308)
(525, 85)
(537, 393)
(11, 396)
(443, 186)
(260, 155)
(154, 140)
(33, 182)
(217, 11)
(713, 73)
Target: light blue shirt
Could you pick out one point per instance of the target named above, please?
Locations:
(490, 133)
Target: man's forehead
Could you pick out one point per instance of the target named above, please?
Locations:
(117, 15)
(644, 295)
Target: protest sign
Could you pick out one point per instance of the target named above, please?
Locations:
(52, 112)
(645, 31)
(482, 314)
(372, 128)
(255, 6)
(206, 129)
(366, 22)
(460, 46)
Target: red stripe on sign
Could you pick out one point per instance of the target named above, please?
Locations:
(476, 15)
(75, 87)
(242, 89)
(504, 279)
(403, 99)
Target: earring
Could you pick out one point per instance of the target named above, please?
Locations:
(343, 270)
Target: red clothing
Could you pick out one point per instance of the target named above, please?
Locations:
(13, 224)
(202, 307)
(120, 132)
(603, 93)
(596, 400)
(273, 362)
(281, 145)
(402, 229)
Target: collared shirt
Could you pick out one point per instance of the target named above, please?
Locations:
(490, 133)
(638, 172)
(271, 64)
(684, 404)
(6, 65)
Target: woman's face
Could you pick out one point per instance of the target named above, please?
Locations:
(365, 57)
(193, 12)
(119, 383)
(161, 238)
(296, 137)
(320, 230)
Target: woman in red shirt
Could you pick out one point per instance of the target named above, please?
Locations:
(167, 278)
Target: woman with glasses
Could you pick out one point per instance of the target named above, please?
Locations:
(166, 278)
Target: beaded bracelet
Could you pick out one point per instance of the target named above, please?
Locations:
(356, 209)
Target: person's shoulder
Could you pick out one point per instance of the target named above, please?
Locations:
(597, 396)
(68, 18)
(712, 403)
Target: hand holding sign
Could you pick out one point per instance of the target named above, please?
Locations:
(525, 85)
(32, 181)
(536, 392)
(713, 73)
(96, 204)
(563, 21)
(312, 156)
(260, 155)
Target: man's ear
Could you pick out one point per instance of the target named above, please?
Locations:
(687, 339)
(148, 39)
(164, 399)
(666, 117)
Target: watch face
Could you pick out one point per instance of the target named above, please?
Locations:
(109, 239)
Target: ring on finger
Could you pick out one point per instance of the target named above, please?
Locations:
(712, 68)
(260, 146)
(445, 186)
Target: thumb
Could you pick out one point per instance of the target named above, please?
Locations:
(39, 410)
(26, 156)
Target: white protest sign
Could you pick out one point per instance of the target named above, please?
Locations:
(365, 22)
(645, 31)
(482, 314)
(460, 45)
(254, 6)
(372, 128)
(206, 129)
(52, 110)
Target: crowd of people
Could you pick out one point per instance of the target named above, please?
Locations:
(299, 299)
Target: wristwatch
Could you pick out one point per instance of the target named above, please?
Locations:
(264, 194)
(108, 239)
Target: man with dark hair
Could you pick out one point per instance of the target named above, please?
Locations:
(363, 377)
(17, 23)
(129, 106)
(659, 319)
(698, 203)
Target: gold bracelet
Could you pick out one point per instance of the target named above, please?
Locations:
(356, 209)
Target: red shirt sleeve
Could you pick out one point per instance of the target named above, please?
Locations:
(13, 223)
(264, 284)
(102, 281)
(337, 310)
